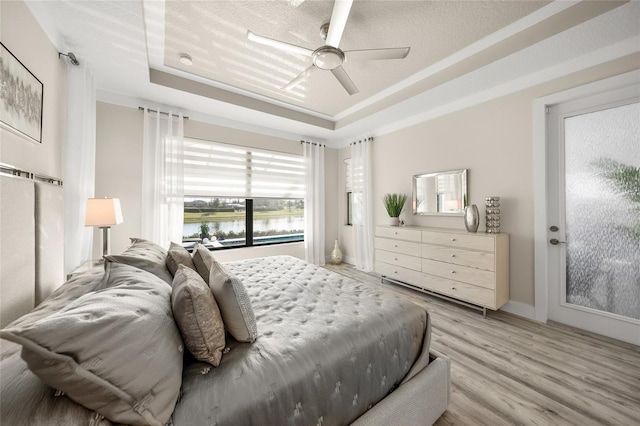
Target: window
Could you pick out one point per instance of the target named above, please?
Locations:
(349, 189)
(242, 196)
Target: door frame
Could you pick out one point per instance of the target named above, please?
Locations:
(540, 182)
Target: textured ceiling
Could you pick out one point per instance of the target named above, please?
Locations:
(214, 34)
(123, 43)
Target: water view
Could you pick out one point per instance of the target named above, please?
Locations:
(223, 219)
(283, 223)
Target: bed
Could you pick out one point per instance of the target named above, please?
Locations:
(329, 351)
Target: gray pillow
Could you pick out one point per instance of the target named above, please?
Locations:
(202, 259)
(115, 350)
(178, 255)
(234, 303)
(78, 285)
(145, 255)
(197, 315)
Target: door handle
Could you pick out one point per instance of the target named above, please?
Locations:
(555, 241)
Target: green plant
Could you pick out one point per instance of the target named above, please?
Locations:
(625, 180)
(204, 229)
(394, 203)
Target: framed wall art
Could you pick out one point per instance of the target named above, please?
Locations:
(20, 98)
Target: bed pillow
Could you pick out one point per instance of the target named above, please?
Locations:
(234, 303)
(197, 315)
(115, 350)
(176, 256)
(76, 286)
(145, 255)
(202, 259)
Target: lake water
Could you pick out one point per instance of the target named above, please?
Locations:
(288, 222)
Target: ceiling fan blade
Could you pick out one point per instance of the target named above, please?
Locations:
(301, 77)
(377, 54)
(344, 79)
(341, 9)
(279, 44)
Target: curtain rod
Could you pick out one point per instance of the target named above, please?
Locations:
(161, 112)
(7, 169)
(313, 143)
(367, 139)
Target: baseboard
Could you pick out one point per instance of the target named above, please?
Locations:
(349, 260)
(520, 309)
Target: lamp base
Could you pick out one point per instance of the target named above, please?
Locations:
(105, 240)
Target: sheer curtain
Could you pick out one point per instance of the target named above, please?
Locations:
(314, 203)
(362, 204)
(80, 164)
(162, 177)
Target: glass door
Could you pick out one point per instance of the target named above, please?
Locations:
(594, 217)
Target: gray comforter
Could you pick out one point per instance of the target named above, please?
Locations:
(328, 348)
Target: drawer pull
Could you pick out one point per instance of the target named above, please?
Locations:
(395, 245)
(453, 288)
(395, 233)
(395, 272)
(453, 255)
(453, 239)
(395, 258)
(453, 272)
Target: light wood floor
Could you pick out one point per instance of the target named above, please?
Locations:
(507, 370)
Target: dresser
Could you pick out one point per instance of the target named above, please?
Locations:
(472, 268)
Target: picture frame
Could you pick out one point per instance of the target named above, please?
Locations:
(21, 96)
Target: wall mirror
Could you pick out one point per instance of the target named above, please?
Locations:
(443, 193)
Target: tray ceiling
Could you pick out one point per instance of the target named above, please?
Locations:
(461, 51)
(214, 35)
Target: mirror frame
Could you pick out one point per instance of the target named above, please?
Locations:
(465, 195)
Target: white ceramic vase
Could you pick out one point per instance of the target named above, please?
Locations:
(336, 254)
(394, 221)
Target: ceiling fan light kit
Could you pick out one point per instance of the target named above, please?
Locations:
(330, 57)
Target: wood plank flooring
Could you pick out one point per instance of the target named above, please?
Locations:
(507, 370)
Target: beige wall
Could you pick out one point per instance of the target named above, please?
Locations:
(119, 174)
(22, 35)
(119, 170)
(494, 142)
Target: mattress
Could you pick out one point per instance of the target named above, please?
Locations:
(328, 349)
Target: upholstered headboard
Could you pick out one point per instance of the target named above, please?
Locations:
(31, 242)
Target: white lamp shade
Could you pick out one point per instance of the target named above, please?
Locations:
(103, 212)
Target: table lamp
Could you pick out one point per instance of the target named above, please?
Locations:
(103, 213)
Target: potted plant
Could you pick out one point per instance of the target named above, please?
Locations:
(394, 203)
(204, 230)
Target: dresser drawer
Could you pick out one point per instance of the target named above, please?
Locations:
(467, 241)
(399, 233)
(411, 262)
(474, 259)
(486, 279)
(399, 273)
(399, 246)
(467, 292)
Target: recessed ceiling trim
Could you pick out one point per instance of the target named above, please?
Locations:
(562, 20)
(154, 23)
(474, 48)
(201, 89)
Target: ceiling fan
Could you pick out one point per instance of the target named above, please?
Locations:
(330, 57)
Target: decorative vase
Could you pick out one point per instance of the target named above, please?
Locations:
(336, 254)
(394, 221)
(471, 218)
(493, 214)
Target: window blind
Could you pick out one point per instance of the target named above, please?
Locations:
(223, 170)
(348, 175)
